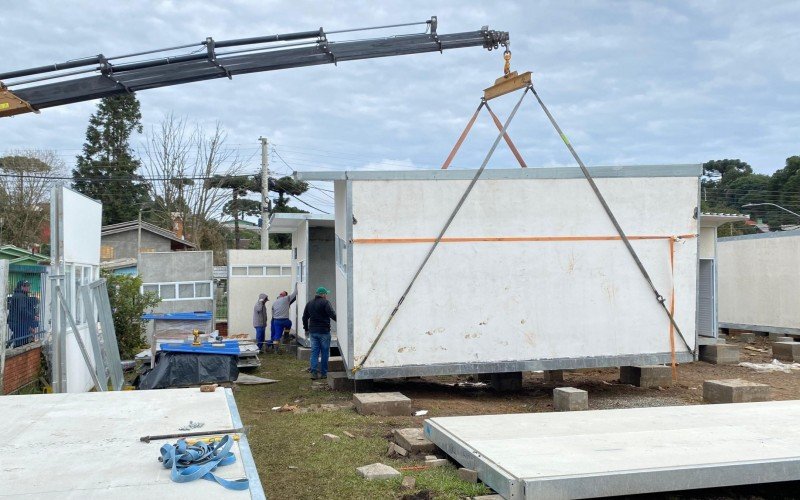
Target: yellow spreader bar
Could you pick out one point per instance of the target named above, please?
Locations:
(507, 84)
(11, 105)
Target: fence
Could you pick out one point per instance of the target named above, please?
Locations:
(24, 298)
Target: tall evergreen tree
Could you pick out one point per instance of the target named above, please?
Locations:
(106, 170)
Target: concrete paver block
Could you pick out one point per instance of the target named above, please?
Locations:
(506, 382)
(414, 440)
(303, 353)
(646, 376)
(786, 351)
(570, 399)
(746, 337)
(734, 391)
(382, 403)
(399, 450)
(338, 381)
(784, 338)
(335, 364)
(377, 471)
(439, 462)
(468, 475)
(720, 354)
(408, 483)
(554, 375)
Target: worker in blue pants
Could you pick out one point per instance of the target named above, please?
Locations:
(260, 319)
(280, 317)
(317, 318)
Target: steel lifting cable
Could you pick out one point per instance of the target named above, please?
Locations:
(660, 298)
(445, 227)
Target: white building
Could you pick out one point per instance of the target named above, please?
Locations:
(250, 273)
(531, 274)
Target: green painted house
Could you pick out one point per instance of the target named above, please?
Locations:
(22, 257)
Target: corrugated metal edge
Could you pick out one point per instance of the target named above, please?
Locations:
(683, 170)
(758, 236)
(372, 372)
(256, 491)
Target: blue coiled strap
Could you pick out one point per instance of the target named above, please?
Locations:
(190, 462)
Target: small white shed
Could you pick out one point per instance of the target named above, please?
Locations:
(313, 260)
(759, 282)
(708, 280)
(250, 273)
(531, 274)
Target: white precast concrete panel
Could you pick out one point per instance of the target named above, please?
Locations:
(243, 291)
(759, 281)
(521, 287)
(344, 307)
(83, 218)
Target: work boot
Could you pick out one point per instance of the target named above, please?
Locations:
(314, 376)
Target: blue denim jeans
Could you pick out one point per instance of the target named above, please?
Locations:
(277, 328)
(260, 331)
(320, 351)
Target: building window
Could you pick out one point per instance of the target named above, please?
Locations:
(183, 290)
(261, 271)
(341, 254)
(106, 252)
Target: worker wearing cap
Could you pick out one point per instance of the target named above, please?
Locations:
(22, 318)
(317, 318)
(260, 319)
(280, 317)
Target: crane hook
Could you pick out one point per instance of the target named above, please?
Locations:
(507, 57)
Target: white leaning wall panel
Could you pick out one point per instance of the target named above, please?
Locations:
(342, 303)
(759, 281)
(534, 277)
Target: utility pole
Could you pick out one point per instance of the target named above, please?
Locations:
(264, 193)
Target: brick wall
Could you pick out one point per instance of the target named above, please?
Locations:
(222, 328)
(22, 366)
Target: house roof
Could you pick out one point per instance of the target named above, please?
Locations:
(133, 225)
(15, 254)
(288, 222)
(119, 263)
(708, 219)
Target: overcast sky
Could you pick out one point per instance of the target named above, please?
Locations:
(631, 82)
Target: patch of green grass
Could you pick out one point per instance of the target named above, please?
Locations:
(326, 469)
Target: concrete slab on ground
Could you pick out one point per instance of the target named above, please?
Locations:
(46, 432)
(720, 354)
(786, 351)
(625, 452)
(377, 471)
(734, 391)
(414, 440)
(382, 403)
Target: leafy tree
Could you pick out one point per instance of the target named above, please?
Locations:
(24, 196)
(128, 305)
(238, 206)
(106, 170)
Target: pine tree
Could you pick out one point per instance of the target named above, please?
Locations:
(106, 170)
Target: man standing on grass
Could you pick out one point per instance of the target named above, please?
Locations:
(280, 317)
(317, 318)
(260, 319)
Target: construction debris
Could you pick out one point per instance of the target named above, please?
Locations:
(377, 471)
(331, 437)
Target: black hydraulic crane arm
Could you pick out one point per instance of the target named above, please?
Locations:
(23, 91)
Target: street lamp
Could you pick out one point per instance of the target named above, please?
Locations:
(773, 205)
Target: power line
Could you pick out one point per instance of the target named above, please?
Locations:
(309, 205)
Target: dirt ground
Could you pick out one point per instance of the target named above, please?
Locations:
(445, 396)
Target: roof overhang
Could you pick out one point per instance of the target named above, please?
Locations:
(693, 170)
(716, 220)
(283, 222)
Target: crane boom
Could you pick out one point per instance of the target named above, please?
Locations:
(19, 94)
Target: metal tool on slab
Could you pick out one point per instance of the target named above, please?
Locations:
(147, 439)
